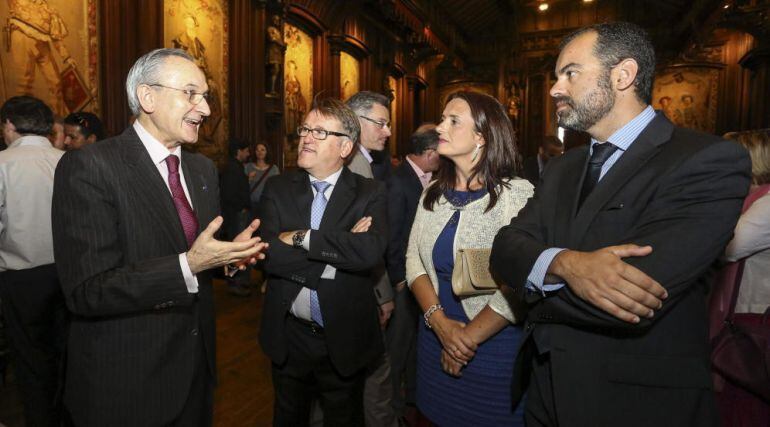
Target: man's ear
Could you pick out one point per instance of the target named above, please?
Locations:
(346, 147)
(147, 98)
(625, 73)
(91, 138)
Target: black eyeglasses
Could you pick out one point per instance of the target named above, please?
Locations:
(319, 134)
(195, 98)
(381, 125)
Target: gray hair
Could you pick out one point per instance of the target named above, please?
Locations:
(362, 102)
(147, 70)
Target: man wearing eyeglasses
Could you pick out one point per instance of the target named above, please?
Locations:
(134, 223)
(327, 230)
(371, 161)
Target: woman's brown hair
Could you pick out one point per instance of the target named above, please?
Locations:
(498, 159)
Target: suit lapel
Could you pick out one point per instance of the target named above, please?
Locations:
(152, 188)
(646, 146)
(342, 196)
(303, 199)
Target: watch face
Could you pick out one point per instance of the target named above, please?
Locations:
(297, 238)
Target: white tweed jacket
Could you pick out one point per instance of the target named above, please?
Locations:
(475, 229)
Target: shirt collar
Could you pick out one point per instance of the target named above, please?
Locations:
(158, 152)
(416, 168)
(366, 153)
(626, 135)
(331, 179)
(31, 140)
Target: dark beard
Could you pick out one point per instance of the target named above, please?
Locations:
(581, 116)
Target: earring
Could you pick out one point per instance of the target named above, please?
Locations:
(476, 152)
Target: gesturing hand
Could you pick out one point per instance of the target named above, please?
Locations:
(207, 252)
(604, 280)
(244, 236)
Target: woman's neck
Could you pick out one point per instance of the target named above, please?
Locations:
(462, 173)
(261, 163)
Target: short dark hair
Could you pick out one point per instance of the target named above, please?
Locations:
(498, 161)
(88, 123)
(28, 114)
(336, 109)
(424, 138)
(235, 145)
(617, 41)
(363, 101)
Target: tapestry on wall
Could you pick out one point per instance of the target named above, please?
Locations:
(200, 28)
(298, 86)
(50, 51)
(688, 96)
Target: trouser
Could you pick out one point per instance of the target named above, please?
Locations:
(401, 344)
(36, 322)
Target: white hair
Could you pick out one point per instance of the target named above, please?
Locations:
(147, 70)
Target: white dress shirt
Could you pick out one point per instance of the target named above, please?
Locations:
(301, 305)
(158, 153)
(26, 189)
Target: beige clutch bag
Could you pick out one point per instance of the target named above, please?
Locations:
(471, 275)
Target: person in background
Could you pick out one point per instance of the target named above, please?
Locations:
(465, 347)
(751, 246)
(234, 192)
(550, 146)
(258, 173)
(81, 129)
(57, 133)
(32, 301)
(404, 189)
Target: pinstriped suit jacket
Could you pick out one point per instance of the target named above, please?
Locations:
(134, 333)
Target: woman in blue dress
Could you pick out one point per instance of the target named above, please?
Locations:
(466, 345)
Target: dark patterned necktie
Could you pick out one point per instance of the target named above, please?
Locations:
(600, 154)
(183, 208)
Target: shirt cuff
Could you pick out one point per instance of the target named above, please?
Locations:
(537, 275)
(306, 241)
(189, 278)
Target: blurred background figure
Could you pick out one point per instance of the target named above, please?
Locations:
(473, 338)
(81, 129)
(57, 133)
(550, 146)
(749, 275)
(234, 194)
(258, 172)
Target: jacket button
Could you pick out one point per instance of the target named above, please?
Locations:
(194, 331)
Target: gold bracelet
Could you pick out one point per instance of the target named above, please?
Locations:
(432, 309)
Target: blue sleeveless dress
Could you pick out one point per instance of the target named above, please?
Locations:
(482, 395)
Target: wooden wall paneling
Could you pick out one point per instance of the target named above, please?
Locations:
(247, 77)
(758, 62)
(128, 29)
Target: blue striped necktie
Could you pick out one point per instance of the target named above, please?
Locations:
(316, 213)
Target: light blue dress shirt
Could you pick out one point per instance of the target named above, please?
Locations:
(622, 138)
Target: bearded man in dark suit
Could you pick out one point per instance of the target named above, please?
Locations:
(614, 247)
(133, 224)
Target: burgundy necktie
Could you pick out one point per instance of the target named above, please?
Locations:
(183, 209)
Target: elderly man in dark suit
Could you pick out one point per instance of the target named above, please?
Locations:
(327, 229)
(613, 249)
(133, 224)
(404, 189)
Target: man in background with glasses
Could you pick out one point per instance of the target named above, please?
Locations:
(81, 129)
(372, 161)
(327, 230)
(134, 223)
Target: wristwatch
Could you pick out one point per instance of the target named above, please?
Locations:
(297, 238)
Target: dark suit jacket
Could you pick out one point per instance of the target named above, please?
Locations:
(236, 196)
(404, 190)
(351, 326)
(134, 337)
(531, 170)
(674, 189)
(381, 167)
